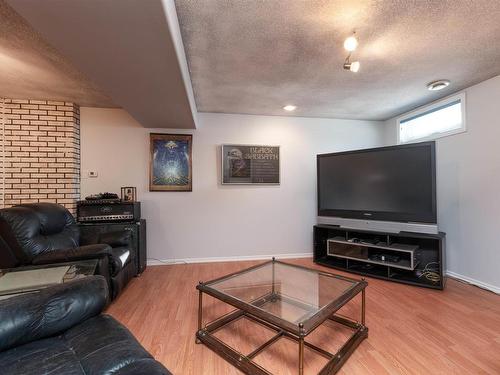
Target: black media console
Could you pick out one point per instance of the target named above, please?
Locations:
(410, 258)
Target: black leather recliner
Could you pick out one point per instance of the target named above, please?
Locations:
(46, 233)
(61, 330)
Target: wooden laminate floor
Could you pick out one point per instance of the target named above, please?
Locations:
(411, 330)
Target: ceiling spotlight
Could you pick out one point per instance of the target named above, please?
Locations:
(438, 85)
(290, 108)
(351, 43)
(352, 66)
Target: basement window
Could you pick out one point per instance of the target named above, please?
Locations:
(440, 119)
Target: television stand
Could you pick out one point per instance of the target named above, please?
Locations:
(409, 258)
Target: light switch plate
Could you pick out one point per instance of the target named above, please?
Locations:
(92, 173)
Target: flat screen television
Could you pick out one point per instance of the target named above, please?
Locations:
(396, 183)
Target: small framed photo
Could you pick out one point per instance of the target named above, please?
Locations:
(129, 194)
(170, 167)
(250, 164)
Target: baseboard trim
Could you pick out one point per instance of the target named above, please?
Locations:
(469, 280)
(160, 262)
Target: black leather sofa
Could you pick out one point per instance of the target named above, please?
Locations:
(46, 233)
(60, 330)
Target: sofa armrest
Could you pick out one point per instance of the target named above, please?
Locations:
(98, 251)
(51, 311)
(120, 238)
(77, 253)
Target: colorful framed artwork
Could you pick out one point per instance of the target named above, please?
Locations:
(170, 167)
(250, 164)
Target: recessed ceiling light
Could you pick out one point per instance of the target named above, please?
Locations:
(438, 85)
(290, 108)
(351, 43)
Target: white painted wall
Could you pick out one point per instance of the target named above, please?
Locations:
(214, 220)
(468, 180)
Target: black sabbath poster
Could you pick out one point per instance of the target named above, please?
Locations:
(250, 164)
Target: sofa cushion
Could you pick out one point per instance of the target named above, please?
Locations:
(47, 356)
(98, 346)
(145, 366)
(51, 311)
(101, 338)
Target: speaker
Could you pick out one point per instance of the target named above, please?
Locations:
(138, 241)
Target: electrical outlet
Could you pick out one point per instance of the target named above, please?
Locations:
(92, 174)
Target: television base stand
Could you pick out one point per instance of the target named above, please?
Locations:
(404, 257)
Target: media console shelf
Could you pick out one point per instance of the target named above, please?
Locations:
(410, 258)
(395, 255)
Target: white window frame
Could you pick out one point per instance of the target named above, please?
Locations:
(429, 108)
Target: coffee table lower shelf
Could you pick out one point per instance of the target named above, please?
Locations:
(246, 364)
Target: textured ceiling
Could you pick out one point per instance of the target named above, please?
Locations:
(257, 56)
(31, 68)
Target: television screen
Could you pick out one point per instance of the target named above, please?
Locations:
(389, 183)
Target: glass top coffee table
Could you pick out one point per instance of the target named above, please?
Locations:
(28, 279)
(291, 300)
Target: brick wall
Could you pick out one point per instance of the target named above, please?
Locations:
(40, 140)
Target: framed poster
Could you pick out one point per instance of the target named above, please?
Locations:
(250, 164)
(170, 165)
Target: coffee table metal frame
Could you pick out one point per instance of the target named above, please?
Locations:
(282, 327)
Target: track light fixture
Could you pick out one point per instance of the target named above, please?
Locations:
(352, 66)
(350, 44)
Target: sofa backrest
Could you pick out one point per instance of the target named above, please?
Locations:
(28, 230)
